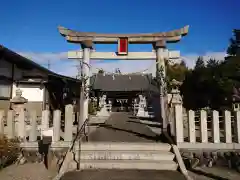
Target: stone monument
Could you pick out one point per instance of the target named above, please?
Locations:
(18, 103)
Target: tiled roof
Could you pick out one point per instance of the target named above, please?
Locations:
(121, 82)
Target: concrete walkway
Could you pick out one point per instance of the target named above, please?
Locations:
(123, 175)
(120, 127)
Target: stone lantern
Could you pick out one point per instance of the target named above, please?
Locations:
(175, 93)
(18, 103)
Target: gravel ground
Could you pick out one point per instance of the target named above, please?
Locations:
(28, 171)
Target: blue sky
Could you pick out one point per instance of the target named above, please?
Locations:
(30, 27)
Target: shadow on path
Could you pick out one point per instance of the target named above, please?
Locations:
(212, 176)
(121, 128)
(151, 125)
(154, 138)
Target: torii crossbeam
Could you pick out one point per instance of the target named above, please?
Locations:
(141, 38)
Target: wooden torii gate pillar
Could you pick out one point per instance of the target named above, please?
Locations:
(160, 53)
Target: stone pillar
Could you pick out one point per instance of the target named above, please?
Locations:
(56, 125)
(21, 124)
(161, 74)
(10, 124)
(175, 100)
(45, 98)
(85, 85)
(86, 70)
(1, 122)
(33, 123)
(68, 123)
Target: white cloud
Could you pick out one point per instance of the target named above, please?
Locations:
(44, 57)
(191, 59)
(126, 66)
(60, 64)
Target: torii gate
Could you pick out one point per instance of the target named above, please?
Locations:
(160, 53)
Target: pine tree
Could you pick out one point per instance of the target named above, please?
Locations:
(234, 47)
(200, 63)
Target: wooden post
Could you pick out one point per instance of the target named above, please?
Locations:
(56, 125)
(68, 123)
(33, 123)
(191, 126)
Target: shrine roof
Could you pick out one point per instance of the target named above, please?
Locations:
(122, 82)
(143, 38)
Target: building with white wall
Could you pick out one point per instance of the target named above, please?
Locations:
(38, 84)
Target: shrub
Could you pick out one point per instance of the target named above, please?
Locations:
(9, 150)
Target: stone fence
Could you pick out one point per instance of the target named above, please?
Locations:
(206, 130)
(29, 127)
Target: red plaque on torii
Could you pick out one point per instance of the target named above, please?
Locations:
(123, 46)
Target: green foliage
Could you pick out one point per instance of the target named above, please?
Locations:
(199, 63)
(175, 71)
(9, 150)
(211, 85)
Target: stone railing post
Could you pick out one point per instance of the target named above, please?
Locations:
(1, 122)
(203, 126)
(56, 125)
(175, 99)
(33, 123)
(45, 119)
(191, 126)
(237, 127)
(10, 125)
(227, 127)
(21, 125)
(178, 123)
(68, 123)
(215, 127)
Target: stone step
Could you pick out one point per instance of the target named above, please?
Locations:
(126, 155)
(123, 146)
(127, 164)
